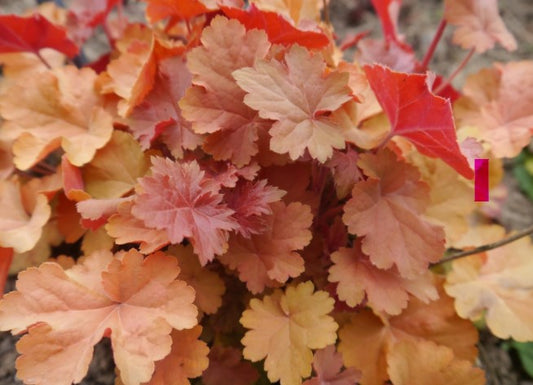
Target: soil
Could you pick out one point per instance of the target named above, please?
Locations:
(418, 21)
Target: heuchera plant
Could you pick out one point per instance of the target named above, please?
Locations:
(241, 202)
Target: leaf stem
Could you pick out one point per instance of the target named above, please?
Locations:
(456, 72)
(43, 60)
(433, 45)
(487, 247)
(326, 12)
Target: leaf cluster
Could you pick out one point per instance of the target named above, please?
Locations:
(246, 205)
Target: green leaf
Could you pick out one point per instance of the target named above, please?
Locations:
(525, 353)
(523, 172)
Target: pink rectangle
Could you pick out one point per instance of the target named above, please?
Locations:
(481, 180)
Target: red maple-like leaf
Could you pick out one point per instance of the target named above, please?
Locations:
(182, 200)
(418, 115)
(279, 30)
(30, 34)
(84, 16)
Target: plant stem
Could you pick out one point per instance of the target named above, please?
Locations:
(487, 247)
(456, 72)
(326, 12)
(433, 45)
(43, 60)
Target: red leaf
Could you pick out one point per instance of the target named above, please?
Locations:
(418, 115)
(388, 11)
(6, 256)
(157, 10)
(30, 34)
(279, 30)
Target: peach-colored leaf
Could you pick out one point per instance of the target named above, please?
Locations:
(115, 168)
(297, 94)
(284, 329)
(61, 109)
(207, 284)
(67, 312)
(131, 75)
(180, 199)
(498, 285)
(95, 212)
(187, 359)
(450, 197)
(68, 219)
(424, 362)
(271, 255)
(366, 340)
(328, 364)
(20, 229)
(478, 24)
(386, 291)
(227, 363)
(126, 228)
(214, 104)
(159, 116)
(72, 179)
(392, 200)
(345, 172)
(503, 120)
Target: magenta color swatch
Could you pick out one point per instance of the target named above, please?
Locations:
(481, 180)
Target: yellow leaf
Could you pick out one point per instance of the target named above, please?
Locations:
(284, 329)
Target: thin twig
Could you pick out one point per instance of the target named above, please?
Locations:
(326, 12)
(490, 246)
(43, 60)
(433, 46)
(456, 72)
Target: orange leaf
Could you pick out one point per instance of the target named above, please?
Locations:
(301, 117)
(499, 285)
(159, 116)
(478, 24)
(131, 76)
(503, 120)
(214, 104)
(19, 229)
(366, 340)
(61, 109)
(126, 228)
(68, 219)
(385, 290)
(157, 10)
(138, 300)
(424, 362)
(115, 168)
(392, 200)
(187, 359)
(271, 256)
(284, 329)
(208, 285)
(450, 196)
(296, 10)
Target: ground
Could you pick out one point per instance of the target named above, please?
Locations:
(419, 19)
